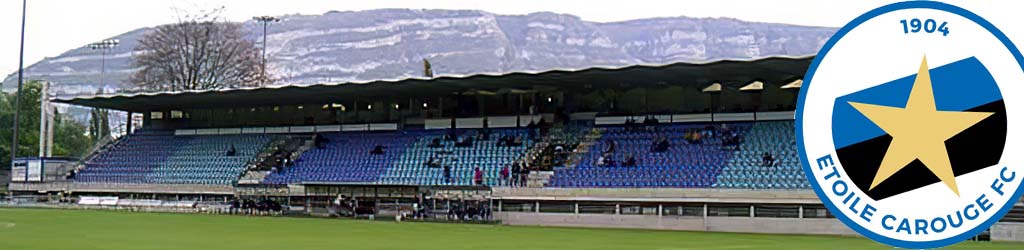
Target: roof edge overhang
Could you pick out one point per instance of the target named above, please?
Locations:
(82, 99)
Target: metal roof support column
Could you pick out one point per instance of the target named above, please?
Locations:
(440, 106)
(481, 105)
(519, 111)
(128, 127)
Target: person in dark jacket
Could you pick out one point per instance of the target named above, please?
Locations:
(516, 170)
(447, 174)
(523, 175)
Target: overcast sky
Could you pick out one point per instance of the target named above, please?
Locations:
(55, 26)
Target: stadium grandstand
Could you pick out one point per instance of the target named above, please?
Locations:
(684, 146)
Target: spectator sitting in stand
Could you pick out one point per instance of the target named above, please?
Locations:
(696, 138)
(377, 150)
(447, 174)
(320, 141)
(291, 159)
(231, 151)
(433, 162)
(610, 148)
(484, 135)
(532, 130)
(451, 135)
(709, 130)
(650, 122)
(630, 161)
(610, 162)
(435, 143)
(465, 142)
(660, 145)
(517, 141)
(731, 140)
(606, 160)
(767, 160)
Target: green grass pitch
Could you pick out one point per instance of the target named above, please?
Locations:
(31, 229)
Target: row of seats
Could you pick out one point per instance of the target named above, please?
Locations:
(748, 170)
(711, 162)
(686, 164)
(345, 158)
(159, 157)
(486, 154)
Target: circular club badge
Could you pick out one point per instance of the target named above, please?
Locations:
(908, 124)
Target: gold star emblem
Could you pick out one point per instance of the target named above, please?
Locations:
(919, 131)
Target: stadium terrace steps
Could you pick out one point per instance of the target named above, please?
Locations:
(266, 161)
(746, 169)
(590, 137)
(254, 177)
(539, 179)
(159, 157)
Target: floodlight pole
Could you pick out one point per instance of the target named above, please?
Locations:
(266, 20)
(103, 47)
(17, 96)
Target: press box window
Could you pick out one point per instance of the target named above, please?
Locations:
(156, 115)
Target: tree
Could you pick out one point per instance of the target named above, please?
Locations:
(28, 123)
(197, 53)
(99, 124)
(70, 139)
(428, 71)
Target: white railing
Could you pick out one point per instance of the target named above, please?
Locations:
(289, 129)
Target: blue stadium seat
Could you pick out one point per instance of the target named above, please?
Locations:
(160, 157)
(746, 169)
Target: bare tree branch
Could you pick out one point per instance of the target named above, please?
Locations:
(199, 52)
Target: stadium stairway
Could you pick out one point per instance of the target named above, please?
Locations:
(266, 161)
(590, 137)
(1016, 214)
(746, 169)
(539, 179)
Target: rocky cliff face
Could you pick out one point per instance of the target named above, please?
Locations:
(391, 43)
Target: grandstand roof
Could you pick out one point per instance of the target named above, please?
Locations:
(731, 73)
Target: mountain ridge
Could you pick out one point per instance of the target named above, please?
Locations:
(390, 43)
